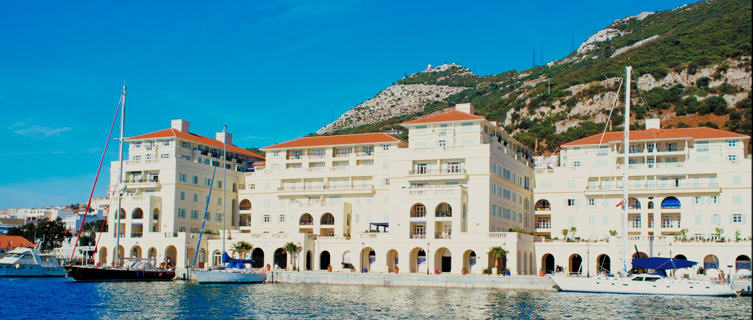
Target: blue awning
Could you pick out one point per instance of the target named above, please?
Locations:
(236, 263)
(658, 263)
(670, 203)
(380, 224)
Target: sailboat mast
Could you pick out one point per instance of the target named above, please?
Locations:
(224, 183)
(120, 178)
(625, 163)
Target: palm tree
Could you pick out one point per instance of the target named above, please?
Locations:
(572, 231)
(496, 253)
(564, 233)
(242, 247)
(290, 248)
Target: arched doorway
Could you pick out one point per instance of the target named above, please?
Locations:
(547, 261)
(308, 260)
(501, 262)
(152, 254)
(368, 257)
(347, 261)
(136, 252)
(190, 255)
(281, 258)
(391, 260)
(604, 263)
(155, 220)
(710, 262)
(171, 254)
(417, 260)
(640, 254)
(103, 256)
(121, 254)
(443, 260)
(217, 258)
(681, 257)
(202, 257)
(245, 205)
(137, 214)
(742, 262)
(670, 203)
(575, 264)
(324, 262)
(542, 205)
(257, 258)
(469, 260)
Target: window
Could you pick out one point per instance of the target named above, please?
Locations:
(181, 213)
(137, 158)
(732, 157)
(266, 218)
(715, 199)
(570, 202)
(195, 197)
(442, 143)
(148, 156)
(282, 218)
(385, 147)
(219, 217)
(137, 145)
(194, 214)
(576, 164)
(166, 143)
(731, 143)
(181, 229)
(164, 156)
(737, 218)
(207, 215)
(219, 201)
(591, 202)
(317, 153)
(195, 180)
(182, 195)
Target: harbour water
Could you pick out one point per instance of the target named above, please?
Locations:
(63, 299)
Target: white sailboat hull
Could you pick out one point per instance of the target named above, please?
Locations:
(230, 276)
(624, 285)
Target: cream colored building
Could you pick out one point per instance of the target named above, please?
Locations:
(372, 202)
(167, 179)
(691, 183)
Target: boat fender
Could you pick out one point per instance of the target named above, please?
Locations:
(18, 265)
(263, 270)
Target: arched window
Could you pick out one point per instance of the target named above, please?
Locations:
(543, 205)
(245, 204)
(650, 205)
(670, 203)
(327, 219)
(633, 203)
(418, 210)
(306, 220)
(122, 213)
(137, 213)
(443, 210)
(216, 258)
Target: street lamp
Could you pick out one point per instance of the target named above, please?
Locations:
(361, 254)
(427, 257)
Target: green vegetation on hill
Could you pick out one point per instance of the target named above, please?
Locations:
(704, 34)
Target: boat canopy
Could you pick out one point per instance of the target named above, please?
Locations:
(658, 263)
(234, 263)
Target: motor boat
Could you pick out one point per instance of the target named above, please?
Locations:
(30, 262)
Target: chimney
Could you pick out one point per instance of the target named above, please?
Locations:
(180, 125)
(225, 137)
(654, 123)
(465, 107)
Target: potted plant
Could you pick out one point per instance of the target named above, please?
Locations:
(542, 272)
(329, 268)
(464, 271)
(397, 269)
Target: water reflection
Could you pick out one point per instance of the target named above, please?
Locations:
(58, 298)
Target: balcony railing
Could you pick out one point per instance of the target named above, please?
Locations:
(544, 225)
(657, 185)
(136, 235)
(437, 171)
(418, 235)
(333, 187)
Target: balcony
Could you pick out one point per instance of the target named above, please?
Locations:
(418, 235)
(424, 171)
(443, 235)
(682, 186)
(137, 234)
(334, 189)
(442, 191)
(142, 183)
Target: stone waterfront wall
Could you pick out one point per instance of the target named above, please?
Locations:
(416, 280)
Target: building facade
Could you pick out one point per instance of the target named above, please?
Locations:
(167, 179)
(687, 186)
(373, 203)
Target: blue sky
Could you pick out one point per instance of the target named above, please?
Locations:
(272, 71)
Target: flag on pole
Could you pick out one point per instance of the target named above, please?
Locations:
(621, 203)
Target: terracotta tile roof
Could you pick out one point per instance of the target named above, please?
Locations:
(658, 134)
(336, 140)
(447, 116)
(12, 242)
(195, 138)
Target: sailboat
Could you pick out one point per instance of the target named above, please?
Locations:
(635, 282)
(135, 270)
(233, 270)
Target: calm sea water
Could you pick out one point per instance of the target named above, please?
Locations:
(64, 299)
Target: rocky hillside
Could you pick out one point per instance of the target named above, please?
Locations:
(692, 66)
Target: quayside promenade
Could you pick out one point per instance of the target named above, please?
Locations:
(415, 280)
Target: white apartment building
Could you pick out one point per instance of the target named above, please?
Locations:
(372, 202)
(689, 183)
(166, 183)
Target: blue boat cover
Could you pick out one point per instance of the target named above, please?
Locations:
(233, 262)
(658, 263)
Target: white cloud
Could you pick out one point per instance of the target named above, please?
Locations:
(36, 131)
